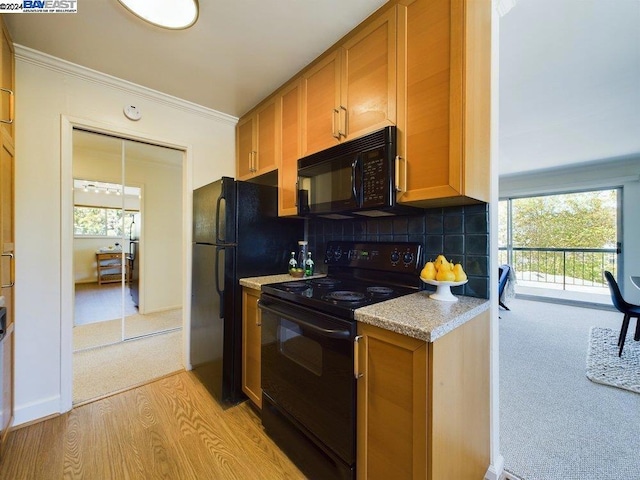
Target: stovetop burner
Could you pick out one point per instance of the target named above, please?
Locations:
(345, 296)
(325, 282)
(380, 291)
(295, 286)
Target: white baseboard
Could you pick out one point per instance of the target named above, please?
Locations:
(496, 469)
(37, 410)
(509, 476)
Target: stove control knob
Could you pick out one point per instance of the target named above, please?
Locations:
(407, 258)
(395, 257)
(328, 255)
(338, 253)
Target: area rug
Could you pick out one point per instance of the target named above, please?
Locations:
(603, 364)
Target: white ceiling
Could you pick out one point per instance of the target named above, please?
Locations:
(569, 83)
(569, 69)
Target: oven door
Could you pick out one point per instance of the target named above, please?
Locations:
(307, 372)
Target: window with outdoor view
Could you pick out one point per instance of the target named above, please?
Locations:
(561, 241)
(101, 222)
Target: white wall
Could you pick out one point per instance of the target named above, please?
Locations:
(48, 94)
(623, 172)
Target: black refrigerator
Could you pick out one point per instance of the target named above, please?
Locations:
(236, 234)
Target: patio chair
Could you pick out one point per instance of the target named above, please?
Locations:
(503, 276)
(629, 310)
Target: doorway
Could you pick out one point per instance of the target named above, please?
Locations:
(127, 247)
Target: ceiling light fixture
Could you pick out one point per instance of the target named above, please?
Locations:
(172, 14)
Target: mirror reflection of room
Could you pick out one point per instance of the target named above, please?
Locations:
(127, 239)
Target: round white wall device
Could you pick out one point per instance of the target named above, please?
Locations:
(132, 112)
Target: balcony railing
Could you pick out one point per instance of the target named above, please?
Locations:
(572, 268)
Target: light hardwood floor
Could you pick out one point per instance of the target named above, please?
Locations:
(168, 429)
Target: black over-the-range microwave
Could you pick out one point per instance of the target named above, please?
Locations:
(353, 178)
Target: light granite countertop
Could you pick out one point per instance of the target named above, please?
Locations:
(418, 316)
(257, 282)
(415, 315)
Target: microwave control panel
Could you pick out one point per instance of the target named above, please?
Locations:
(375, 176)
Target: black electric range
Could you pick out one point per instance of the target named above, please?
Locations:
(358, 274)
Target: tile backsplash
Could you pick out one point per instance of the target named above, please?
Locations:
(460, 233)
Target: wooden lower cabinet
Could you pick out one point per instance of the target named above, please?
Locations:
(423, 408)
(251, 344)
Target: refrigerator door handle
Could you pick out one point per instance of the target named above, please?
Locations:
(217, 274)
(218, 205)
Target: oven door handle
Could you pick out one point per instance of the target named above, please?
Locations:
(325, 332)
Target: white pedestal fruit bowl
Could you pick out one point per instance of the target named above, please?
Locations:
(443, 290)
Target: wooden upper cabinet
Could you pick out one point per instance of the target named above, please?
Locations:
(444, 102)
(256, 142)
(289, 99)
(351, 91)
(245, 147)
(7, 82)
(368, 94)
(321, 104)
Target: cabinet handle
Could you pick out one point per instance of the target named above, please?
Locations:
(11, 271)
(335, 134)
(255, 161)
(401, 174)
(11, 105)
(343, 123)
(297, 191)
(356, 361)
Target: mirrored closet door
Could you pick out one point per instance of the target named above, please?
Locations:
(127, 239)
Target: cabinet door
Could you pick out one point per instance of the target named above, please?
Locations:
(6, 81)
(321, 104)
(426, 104)
(266, 159)
(251, 346)
(7, 222)
(392, 405)
(443, 111)
(245, 142)
(290, 118)
(368, 93)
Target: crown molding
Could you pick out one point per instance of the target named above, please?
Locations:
(50, 62)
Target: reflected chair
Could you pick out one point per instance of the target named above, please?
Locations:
(629, 310)
(503, 276)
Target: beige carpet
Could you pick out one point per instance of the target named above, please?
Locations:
(106, 370)
(109, 332)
